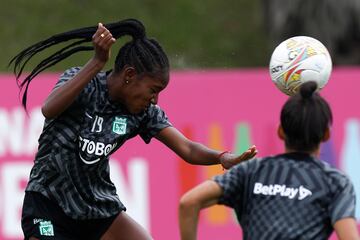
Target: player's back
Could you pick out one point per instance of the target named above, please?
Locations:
(290, 196)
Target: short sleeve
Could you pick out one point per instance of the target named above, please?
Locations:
(343, 201)
(85, 94)
(68, 74)
(233, 184)
(155, 121)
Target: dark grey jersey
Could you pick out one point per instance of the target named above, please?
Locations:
(72, 163)
(288, 196)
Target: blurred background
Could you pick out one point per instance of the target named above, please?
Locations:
(215, 34)
(206, 41)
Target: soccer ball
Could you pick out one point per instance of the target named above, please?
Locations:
(298, 60)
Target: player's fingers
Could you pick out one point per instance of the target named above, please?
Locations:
(252, 148)
(245, 155)
(248, 154)
(109, 42)
(252, 151)
(105, 35)
(101, 33)
(105, 38)
(98, 32)
(253, 154)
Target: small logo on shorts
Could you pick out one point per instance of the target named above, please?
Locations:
(119, 126)
(46, 228)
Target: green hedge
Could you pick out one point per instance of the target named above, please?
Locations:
(195, 34)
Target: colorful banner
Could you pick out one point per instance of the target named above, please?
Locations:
(225, 110)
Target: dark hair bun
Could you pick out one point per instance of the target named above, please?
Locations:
(307, 89)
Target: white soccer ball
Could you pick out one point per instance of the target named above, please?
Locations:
(298, 60)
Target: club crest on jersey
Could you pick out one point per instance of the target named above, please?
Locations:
(46, 228)
(119, 125)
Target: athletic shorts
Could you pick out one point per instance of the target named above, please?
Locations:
(44, 219)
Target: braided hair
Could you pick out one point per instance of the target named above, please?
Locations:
(144, 54)
(305, 118)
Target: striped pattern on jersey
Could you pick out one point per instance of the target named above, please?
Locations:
(72, 163)
(288, 196)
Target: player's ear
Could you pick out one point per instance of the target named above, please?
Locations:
(280, 132)
(130, 73)
(326, 135)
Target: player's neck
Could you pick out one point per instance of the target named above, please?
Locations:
(316, 152)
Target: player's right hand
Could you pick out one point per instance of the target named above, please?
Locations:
(102, 41)
(228, 160)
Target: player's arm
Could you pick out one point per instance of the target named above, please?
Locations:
(346, 229)
(197, 153)
(62, 97)
(202, 196)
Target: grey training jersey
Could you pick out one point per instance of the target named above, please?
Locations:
(288, 196)
(72, 163)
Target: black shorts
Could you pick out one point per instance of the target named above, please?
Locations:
(44, 219)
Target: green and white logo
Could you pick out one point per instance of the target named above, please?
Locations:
(46, 228)
(119, 125)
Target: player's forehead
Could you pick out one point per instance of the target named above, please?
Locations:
(158, 80)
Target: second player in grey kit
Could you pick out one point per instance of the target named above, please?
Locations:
(89, 115)
(292, 195)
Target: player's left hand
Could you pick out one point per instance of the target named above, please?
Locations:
(102, 41)
(229, 159)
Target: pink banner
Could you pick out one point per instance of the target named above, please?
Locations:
(226, 110)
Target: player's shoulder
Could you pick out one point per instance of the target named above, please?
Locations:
(71, 71)
(334, 175)
(260, 161)
(67, 75)
(249, 165)
(154, 111)
(154, 108)
(271, 162)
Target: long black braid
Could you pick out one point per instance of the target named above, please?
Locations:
(145, 55)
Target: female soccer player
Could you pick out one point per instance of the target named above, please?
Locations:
(293, 195)
(89, 114)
